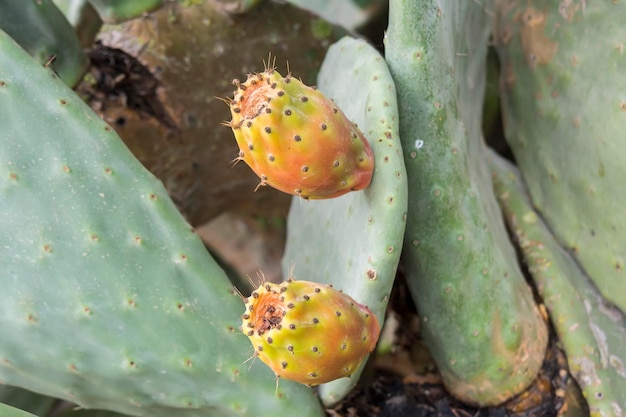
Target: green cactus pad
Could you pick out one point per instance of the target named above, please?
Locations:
(592, 331)
(83, 18)
(89, 413)
(109, 299)
(41, 29)
(26, 400)
(478, 316)
(8, 411)
(354, 241)
(346, 13)
(116, 11)
(565, 124)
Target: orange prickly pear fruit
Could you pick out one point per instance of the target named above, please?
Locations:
(308, 332)
(296, 139)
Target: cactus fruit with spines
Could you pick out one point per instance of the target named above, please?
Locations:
(109, 299)
(296, 139)
(592, 331)
(477, 314)
(565, 124)
(308, 332)
(361, 232)
(192, 166)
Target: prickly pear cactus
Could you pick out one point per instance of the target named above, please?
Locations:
(592, 331)
(354, 241)
(566, 125)
(478, 317)
(8, 411)
(309, 332)
(297, 140)
(108, 298)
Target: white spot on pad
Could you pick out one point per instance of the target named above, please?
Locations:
(419, 143)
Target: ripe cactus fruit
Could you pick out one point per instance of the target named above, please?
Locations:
(308, 332)
(296, 139)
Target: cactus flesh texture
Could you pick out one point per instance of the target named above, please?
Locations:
(8, 411)
(592, 331)
(478, 317)
(297, 140)
(565, 124)
(308, 332)
(42, 30)
(116, 11)
(108, 298)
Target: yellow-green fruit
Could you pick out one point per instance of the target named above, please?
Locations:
(296, 139)
(309, 332)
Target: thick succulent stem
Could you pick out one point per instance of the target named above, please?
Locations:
(115, 11)
(592, 331)
(477, 313)
(562, 86)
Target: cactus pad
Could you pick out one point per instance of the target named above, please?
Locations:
(477, 313)
(355, 241)
(592, 331)
(8, 411)
(116, 11)
(565, 124)
(109, 299)
(42, 30)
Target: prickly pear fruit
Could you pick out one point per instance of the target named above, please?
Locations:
(308, 332)
(296, 139)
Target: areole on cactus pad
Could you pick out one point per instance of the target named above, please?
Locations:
(296, 139)
(308, 332)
